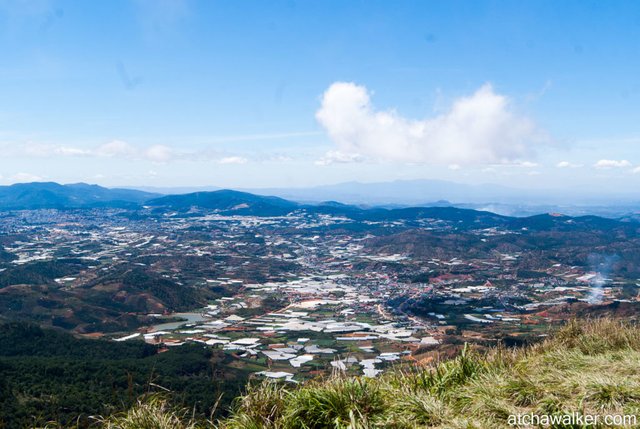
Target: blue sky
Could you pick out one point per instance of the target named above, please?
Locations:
(300, 93)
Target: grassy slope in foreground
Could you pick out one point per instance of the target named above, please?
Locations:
(591, 367)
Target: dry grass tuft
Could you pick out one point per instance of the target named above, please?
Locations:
(589, 367)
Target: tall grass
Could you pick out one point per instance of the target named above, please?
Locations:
(337, 402)
(589, 367)
(260, 407)
(152, 412)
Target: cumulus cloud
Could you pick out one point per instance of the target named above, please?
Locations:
(233, 160)
(605, 164)
(159, 153)
(525, 164)
(24, 178)
(71, 151)
(567, 164)
(278, 158)
(119, 149)
(479, 129)
(44, 150)
(115, 148)
(122, 149)
(336, 156)
(112, 149)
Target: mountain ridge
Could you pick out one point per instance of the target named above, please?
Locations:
(229, 202)
(43, 195)
(36, 195)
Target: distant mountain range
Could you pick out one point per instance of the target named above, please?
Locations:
(400, 192)
(81, 195)
(39, 195)
(437, 193)
(229, 202)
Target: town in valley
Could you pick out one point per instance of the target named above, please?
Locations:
(292, 292)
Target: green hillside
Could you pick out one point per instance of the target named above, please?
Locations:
(49, 375)
(590, 368)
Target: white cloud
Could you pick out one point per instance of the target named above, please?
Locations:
(567, 164)
(233, 160)
(336, 156)
(636, 170)
(279, 158)
(525, 164)
(604, 164)
(119, 149)
(159, 153)
(115, 148)
(454, 167)
(478, 129)
(24, 178)
(45, 150)
(528, 164)
(266, 136)
(71, 151)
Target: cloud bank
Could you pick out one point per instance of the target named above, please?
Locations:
(605, 164)
(119, 149)
(567, 164)
(479, 129)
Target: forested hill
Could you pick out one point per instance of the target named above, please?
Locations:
(49, 375)
(37, 195)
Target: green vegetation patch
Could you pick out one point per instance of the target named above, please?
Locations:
(48, 375)
(589, 368)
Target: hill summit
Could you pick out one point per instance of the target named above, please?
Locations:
(226, 200)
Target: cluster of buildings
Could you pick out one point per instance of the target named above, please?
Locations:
(304, 294)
